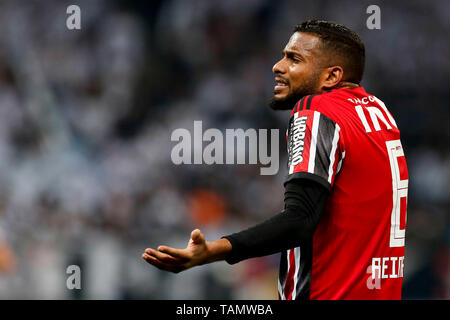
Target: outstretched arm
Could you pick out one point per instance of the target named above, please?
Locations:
(197, 252)
(304, 202)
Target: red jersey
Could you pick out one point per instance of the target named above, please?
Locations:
(348, 141)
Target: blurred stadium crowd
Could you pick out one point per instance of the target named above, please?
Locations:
(86, 118)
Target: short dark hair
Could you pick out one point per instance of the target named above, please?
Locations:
(340, 41)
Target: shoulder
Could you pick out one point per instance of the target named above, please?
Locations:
(319, 102)
(326, 112)
(310, 102)
(323, 103)
(334, 104)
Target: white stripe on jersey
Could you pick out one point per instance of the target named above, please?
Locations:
(287, 270)
(280, 290)
(333, 151)
(297, 268)
(313, 145)
(340, 163)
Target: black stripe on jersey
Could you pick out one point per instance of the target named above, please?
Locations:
(308, 102)
(282, 273)
(303, 286)
(325, 135)
(303, 278)
(301, 104)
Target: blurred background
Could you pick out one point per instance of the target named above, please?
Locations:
(86, 118)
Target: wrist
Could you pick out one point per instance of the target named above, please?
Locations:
(217, 250)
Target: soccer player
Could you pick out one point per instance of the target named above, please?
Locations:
(342, 230)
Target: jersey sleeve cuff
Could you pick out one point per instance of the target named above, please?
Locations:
(309, 176)
(233, 256)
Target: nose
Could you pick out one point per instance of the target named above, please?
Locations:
(279, 67)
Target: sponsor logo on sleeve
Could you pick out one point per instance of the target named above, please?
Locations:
(297, 140)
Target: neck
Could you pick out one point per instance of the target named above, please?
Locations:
(343, 85)
(346, 85)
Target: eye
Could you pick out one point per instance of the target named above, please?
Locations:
(293, 58)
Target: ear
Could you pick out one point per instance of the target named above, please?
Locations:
(331, 77)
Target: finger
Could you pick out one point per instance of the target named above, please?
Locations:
(155, 262)
(177, 253)
(161, 265)
(166, 258)
(197, 236)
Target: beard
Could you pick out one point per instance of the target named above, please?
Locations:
(289, 101)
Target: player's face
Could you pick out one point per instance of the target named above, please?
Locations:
(297, 74)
